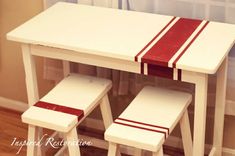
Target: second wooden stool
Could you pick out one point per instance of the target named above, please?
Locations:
(148, 121)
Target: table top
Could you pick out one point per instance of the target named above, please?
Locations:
(187, 44)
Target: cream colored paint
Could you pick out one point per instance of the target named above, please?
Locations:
(12, 85)
(53, 24)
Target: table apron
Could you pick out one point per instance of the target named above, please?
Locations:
(79, 57)
(100, 61)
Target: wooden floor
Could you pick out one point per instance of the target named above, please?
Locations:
(12, 128)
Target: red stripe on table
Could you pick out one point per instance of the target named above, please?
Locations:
(170, 43)
(136, 57)
(142, 68)
(156, 70)
(176, 60)
(179, 74)
(146, 124)
(147, 129)
(78, 112)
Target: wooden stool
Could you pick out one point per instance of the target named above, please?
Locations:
(66, 105)
(149, 119)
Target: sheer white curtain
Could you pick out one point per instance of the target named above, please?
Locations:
(216, 10)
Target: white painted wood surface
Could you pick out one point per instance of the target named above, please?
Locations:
(201, 84)
(68, 49)
(112, 150)
(119, 34)
(200, 113)
(30, 75)
(105, 111)
(186, 134)
(75, 91)
(151, 106)
(32, 136)
(220, 107)
(72, 136)
(159, 153)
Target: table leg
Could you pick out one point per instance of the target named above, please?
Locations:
(220, 107)
(201, 83)
(30, 75)
(31, 84)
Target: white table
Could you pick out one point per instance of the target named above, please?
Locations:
(176, 48)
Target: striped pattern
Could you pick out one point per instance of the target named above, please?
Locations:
(188, 43)
(45, 105)
(144, 50)
(160, 56)
(161, 71)
(143, 126)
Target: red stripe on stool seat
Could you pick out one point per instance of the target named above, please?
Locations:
(163, 130)
(171, 42)
(58, 108)
(138, 127)
(146, 124)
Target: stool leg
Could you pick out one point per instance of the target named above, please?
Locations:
(113, 147)
(107, 114)
(72, 137)
(32, 137)
(138, 152)
(106, 111)
(40, 149)
(186, 134)
(118, 151)
(66, 153)
(66, 68)
(158, 153)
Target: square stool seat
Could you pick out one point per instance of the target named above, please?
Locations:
(68, 103)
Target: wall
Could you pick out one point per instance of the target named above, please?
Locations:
(12, 84)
